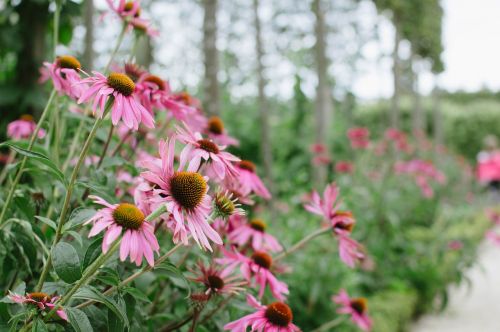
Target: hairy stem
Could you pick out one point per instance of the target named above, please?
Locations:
(301, 243)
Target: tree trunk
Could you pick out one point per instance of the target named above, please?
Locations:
(211, 83)
(265, 141)
(418, 115)
(396, 71)
(88, 19)
(437, 126)
(323, 97)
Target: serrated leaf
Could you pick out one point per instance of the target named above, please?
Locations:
(78, 320)
(38, 157)
(89, 293)
(66, 262)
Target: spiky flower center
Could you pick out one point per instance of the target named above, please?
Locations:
(279, 314)
(262, 259)
(39, 296)
(128, 7)
(215, 282)
(128, 216)
(248, 165)
(208, 146)
(347, 226)
(215, 125)
(258, 225)
(224, 205)
(121, 83)
(360, 305)
(156, 80)
(133, 71)
(68, 61)
(188, 189)
(27, 117)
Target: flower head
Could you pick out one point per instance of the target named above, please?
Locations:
(43, 301)
(23, 128)
(218, 281)
(359, 137)
(139, 239)
(121, 88)
(249, 181)
(226, 206)
(275, 317)
(254, 232)
(204, 152)
(216, 131)
(256, 268)
(130, 12)
(64, 72)
(184, 193)
(356, 307)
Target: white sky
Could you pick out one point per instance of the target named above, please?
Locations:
(471, 34)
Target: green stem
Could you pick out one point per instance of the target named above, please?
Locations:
(10, 195)
(74, 144)
(57, 15)
(301, 243)
(106, 146)
(117, 46)
(329, 325)
(69, 192)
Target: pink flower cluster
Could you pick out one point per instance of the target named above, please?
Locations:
(359, 137)
(423, 172)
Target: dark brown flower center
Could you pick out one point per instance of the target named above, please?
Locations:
(359, 305)
(128, 7)
(188, 189)
(215, 125)
(208, 146)
(215, 282)
(68, 61)
(39, 296)
(248, 165)
(347, 226)
(258, 225)
(156, 80)
(133, 71)
(121, 83)
(262, 259)
(128, 216)
(27, 117)
(279, 314)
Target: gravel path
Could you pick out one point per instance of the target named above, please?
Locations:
(474, 309)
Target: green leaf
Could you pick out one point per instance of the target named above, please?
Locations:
(66, 262)
(101, 190)
(115, 324)
(47, 221)
(38, 157)
(175, 273)
(93, 251)
(78, 217)
(39, 326)
(137, 294)
(78, 320)
(90, 293)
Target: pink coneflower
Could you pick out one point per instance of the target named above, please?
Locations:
(455, 245)
(494, 216)
(120, 87)
(218, 281)
(151, 89)
(184, 194)
(226, 206)
(249, 180)
(216, 131)
(130, 12)
(344, 167)
(23, 128)
(493, 236)
(258, 268)
(204, 152)
(254, 232)
(356, 307)
(275, 317)
(64, 72)
(342, 223)
(139, 239)
(42, 300)
(359, 137)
